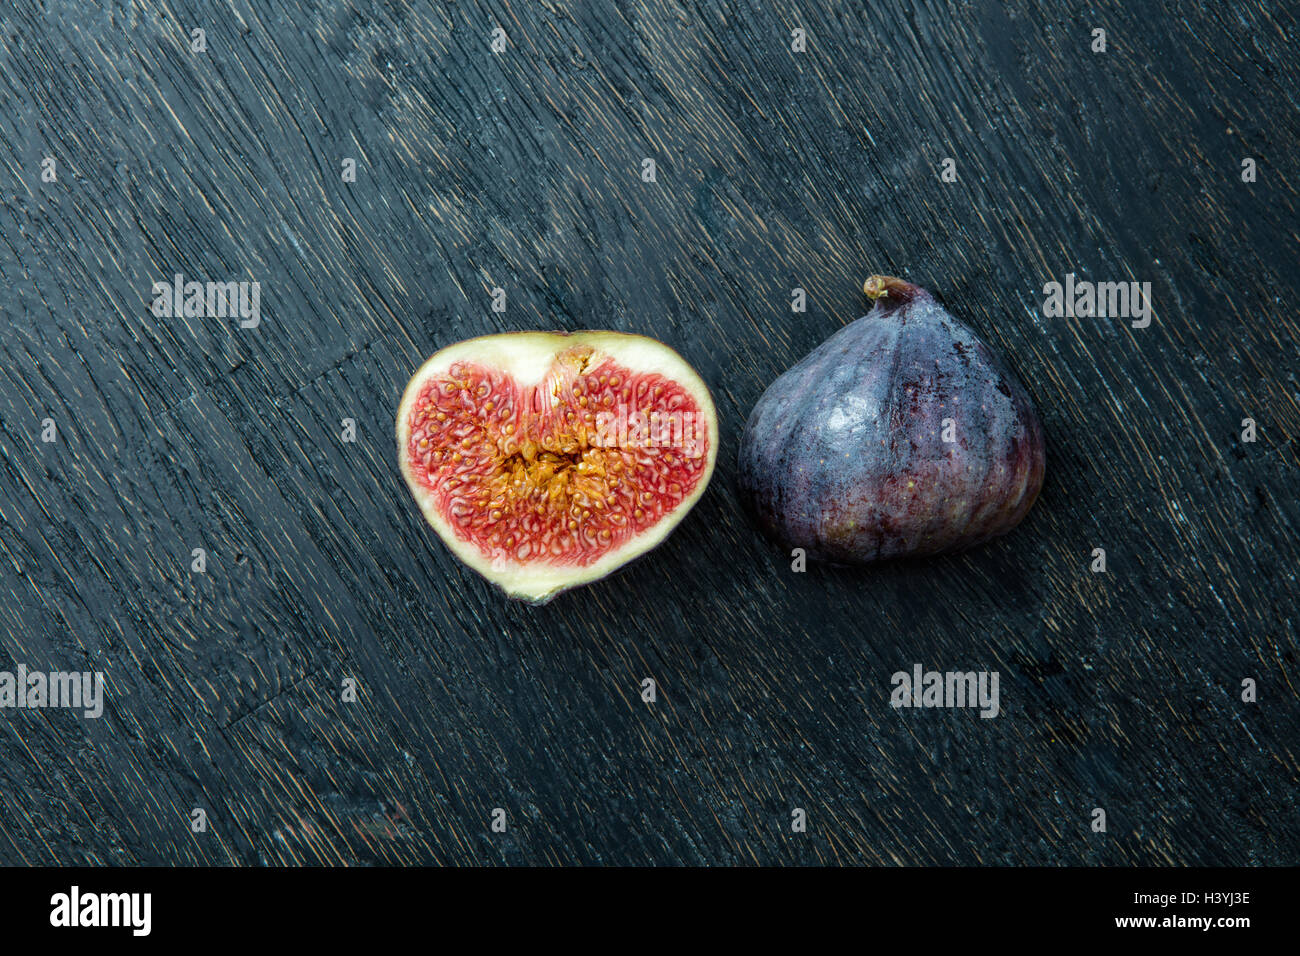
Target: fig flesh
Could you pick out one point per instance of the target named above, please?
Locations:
(901, 435)
(547, 460)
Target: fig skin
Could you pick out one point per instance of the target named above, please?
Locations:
(844, 456)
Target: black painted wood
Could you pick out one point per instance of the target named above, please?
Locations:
(521, 169)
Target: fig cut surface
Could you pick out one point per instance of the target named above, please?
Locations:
(546, 460)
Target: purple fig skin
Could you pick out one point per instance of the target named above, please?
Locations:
(844, 456)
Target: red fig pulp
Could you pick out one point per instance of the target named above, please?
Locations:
(902, 434)
(547, 460)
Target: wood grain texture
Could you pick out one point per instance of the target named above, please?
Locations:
(521, 169)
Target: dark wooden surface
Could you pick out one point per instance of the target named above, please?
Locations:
(521, 170)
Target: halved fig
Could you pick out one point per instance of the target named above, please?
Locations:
(546, 460)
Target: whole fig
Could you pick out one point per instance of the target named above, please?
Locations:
(902, 434)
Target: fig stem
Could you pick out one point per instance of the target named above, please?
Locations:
(880, 287)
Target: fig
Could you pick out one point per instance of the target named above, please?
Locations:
(901, 435)
(547, 460)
